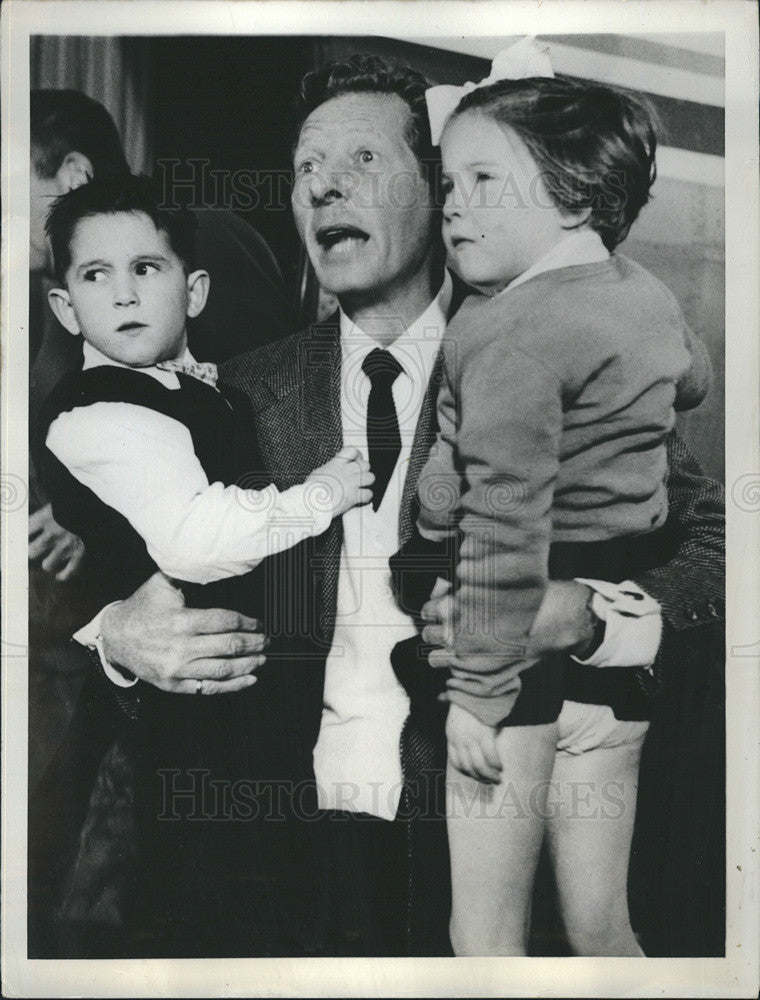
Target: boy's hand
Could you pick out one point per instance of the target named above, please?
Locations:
(58, 551)
(472, 746)
(347, 478)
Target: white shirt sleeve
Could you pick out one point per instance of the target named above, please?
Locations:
(89, 635)
(142, 464)
(633, 625)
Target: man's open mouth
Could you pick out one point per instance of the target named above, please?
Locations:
(126, 327)
(330, 236)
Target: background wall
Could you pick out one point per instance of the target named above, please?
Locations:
(223, 108)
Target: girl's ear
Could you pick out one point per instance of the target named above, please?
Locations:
(61, 305)
(198, 284)
(576, 220)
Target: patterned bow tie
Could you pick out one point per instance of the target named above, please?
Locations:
(204, 371)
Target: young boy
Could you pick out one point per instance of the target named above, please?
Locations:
(149, 447)
(151, 462)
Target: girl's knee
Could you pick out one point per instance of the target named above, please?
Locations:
(479, 941)
(604, 931)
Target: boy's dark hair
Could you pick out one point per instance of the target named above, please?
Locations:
(66, 121)
(370, 74)
(595, 145)
(108, 197)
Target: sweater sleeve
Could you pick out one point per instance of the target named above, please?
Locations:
(508, 442)
(142, 464)
(439, 485)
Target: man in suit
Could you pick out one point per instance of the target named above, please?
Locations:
(364, 204)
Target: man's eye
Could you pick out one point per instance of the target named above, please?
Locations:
(145, 267)
(95, 274)
(447, 185)
(305, 167)
(365, 156)
(481, 175)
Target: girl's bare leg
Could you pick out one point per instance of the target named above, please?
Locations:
(589, 832)
(495, 834)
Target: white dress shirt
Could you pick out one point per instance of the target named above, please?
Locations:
(142, 464)
(356, 759)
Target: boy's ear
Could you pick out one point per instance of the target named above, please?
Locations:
(198, 284)
(61, 305)
(75, 171)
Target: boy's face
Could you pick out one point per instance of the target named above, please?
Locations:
(127, 292)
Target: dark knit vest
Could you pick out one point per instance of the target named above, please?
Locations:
(222, 431)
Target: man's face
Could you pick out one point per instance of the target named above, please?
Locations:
(361, 204)
(42, 192)
(127, 291)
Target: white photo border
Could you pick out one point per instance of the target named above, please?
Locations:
(736, 975)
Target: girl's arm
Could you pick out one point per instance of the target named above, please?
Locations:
(439, 484)
(508, 441)
(694, 385)
(142, 464)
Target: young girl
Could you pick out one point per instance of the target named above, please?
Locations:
(561, 380)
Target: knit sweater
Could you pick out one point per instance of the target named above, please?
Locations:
(557, 397)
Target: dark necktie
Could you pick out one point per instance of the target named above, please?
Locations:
(383, 435)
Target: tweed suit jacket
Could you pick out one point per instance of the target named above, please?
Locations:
(294, 387)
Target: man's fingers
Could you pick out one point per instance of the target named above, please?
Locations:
(221, 669)
(441, 588)
(435, 635)
(70, 568)
(40, 546)
(442, 659)
(215, 620)
(215, 687)
(57, 558)
(232, 645)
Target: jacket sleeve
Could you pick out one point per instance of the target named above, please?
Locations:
(690, 587)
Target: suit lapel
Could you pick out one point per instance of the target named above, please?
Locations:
(299, 429)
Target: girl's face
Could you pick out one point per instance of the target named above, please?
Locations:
(498, 216)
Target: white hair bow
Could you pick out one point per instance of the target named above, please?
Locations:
(523, 59)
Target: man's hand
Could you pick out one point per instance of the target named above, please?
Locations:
(564, 623)
(472, 746)
(153, 635)
(58, 551)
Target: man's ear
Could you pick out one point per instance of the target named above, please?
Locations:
(75, 171)
(198, 284)
(61, 305)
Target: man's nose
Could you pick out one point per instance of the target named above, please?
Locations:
(328, 186)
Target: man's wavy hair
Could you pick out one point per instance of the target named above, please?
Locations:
(595, 145)
(370, 74)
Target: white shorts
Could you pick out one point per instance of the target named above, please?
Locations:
(591, 727)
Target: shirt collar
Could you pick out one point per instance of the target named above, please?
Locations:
(584, 246)
(93, 358)
(417, 346)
